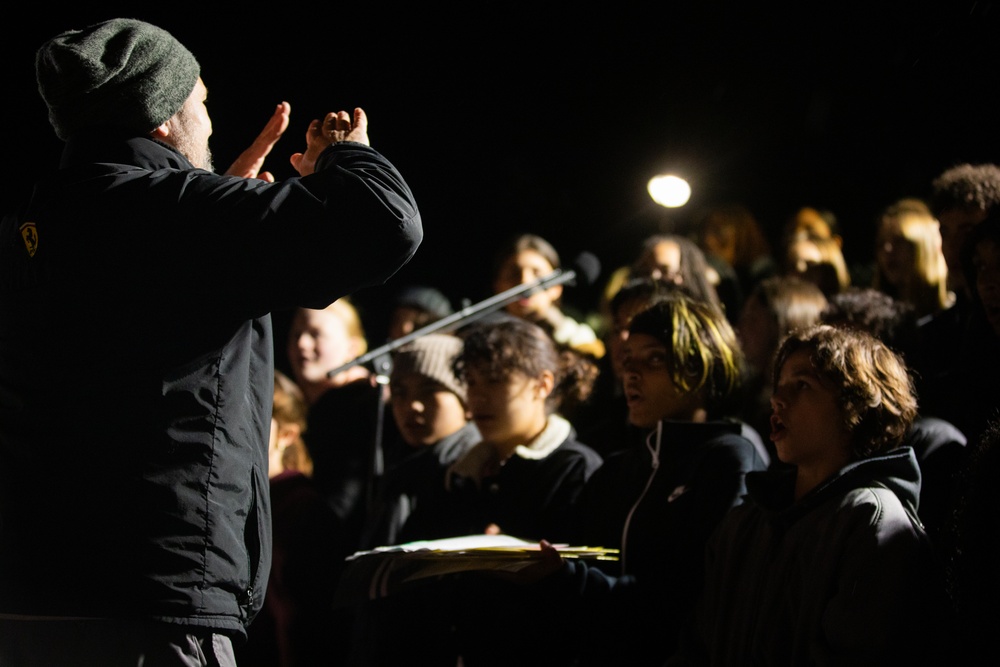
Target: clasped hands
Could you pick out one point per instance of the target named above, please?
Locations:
(334, 128)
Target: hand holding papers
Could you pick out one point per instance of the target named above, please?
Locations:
(380, 572)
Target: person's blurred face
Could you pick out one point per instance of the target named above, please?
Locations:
(424, 410)
(619, 333)
(507, 411)
(404, 321)
(662, 262)
(806, 423)
(318, 342)
(191, 127)
(894, 253)
(986, 261)
(720, 240)
(522, 268)
(956, 223)
(758, 334)
(802, 255)
(649, 388)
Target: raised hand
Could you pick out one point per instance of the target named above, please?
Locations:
(358, 129)
(248, 164)
(334, 128)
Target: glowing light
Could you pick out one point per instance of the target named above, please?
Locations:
(670, 191)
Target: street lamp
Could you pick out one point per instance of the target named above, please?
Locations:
(669, 191)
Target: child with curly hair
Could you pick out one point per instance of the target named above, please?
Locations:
(529, 468)
(827, 562)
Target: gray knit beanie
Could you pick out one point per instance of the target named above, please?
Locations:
(121, 73)
(430, 356)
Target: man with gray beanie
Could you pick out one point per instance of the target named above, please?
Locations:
(136, 353)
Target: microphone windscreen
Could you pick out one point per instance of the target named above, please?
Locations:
(587, 266)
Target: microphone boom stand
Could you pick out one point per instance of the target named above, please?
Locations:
(464, 316)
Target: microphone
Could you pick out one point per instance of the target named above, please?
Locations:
(588, 266)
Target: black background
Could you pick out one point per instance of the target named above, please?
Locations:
(552, 117)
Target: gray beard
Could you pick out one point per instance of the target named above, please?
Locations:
(198, 155)
(206, 161)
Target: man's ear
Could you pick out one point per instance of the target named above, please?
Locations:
(162, 132)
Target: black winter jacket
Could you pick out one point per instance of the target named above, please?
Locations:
(658, 502)
(136, 369)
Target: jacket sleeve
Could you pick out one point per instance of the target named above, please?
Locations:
(256, 247)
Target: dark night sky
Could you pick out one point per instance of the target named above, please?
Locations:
(508, 117)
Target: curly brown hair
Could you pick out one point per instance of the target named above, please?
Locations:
(966, 186)
(876, 395)
(512, 344)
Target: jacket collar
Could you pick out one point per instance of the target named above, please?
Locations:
(897, 471)
(450, 447)
(144, 152)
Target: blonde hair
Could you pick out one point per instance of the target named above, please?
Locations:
(830, 273)
(348, 314)
(290, 409)
(926, 285)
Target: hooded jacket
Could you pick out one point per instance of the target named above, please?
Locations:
(843, 576)
(136, 369)
(658, 502)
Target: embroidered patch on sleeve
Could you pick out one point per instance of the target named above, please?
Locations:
(30, 236)
(677, 493)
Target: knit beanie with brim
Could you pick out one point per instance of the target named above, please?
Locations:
(430, 356)
(123, 73)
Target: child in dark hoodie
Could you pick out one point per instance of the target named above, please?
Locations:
(827, 562)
